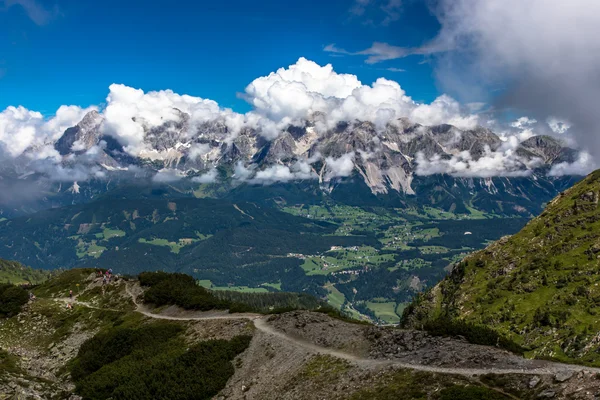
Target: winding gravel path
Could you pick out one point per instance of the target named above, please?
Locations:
(537, 367)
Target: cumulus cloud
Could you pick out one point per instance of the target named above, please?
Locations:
(545, 54)
(168, 175)
(131, 112)
(558, 126)
(21, 128)
(300, 170)
(198, 150)
(209, 177)
(241, 172)
(306, 88)
(299, 90)
(339, 167)
(491, 164)
(284, 97)
(444, 109)
(584, 164)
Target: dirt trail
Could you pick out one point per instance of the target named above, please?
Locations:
(260, 322)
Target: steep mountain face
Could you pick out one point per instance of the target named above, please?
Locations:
(355, 163)
(384, 159)
(548, 149)
(540, 286)
(82, 136)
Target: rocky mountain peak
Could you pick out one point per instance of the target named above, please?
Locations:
(385, 159)
(549, 149)
(82, 136)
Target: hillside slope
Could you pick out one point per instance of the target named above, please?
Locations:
(16, 273)
(540, 287)
(110, 345)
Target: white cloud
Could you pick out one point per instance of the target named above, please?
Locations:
(286, 96)
(558, 125)
(339, 167)
(299, 90)
(241, 172)
(167, 175)
(306, 88)
(198, 150)
(209, 177)
(499, 163)
(444, 109)
(21, 128)
(380, 51)
(131, 112)
(584, 164)
(544, 54)
(280, 173)
(523, 122)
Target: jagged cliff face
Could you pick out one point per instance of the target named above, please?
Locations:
(379, 161)
(385, 159)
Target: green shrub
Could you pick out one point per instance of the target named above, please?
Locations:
(8, 363)
(105, 348)
(179, 289)
(271, 302)
(12, 298)
(476, 334)
(153, 362)
(182, 290)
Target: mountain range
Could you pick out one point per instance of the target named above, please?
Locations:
(401, 163)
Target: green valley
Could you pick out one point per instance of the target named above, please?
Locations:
(357, 253)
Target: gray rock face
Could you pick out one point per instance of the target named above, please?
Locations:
(549, 149)
(563, 376)
(534, 382)
(82, 136)
(384, 159)
(170, 133)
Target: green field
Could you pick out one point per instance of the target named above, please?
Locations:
(385, 311)
(335, 297)
(276, 286)
(415, 244)
(91, 249)
(175, 247)
(110, 233)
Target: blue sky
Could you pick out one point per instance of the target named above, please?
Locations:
(55, 52)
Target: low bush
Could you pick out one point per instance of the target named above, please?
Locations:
(181, 290)
(12, 298)
(476, 334)
(153, 362)
(8, 363)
